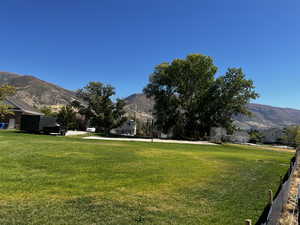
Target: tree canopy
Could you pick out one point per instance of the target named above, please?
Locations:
(189, 99)
(255, 136)
(291, 136)
(47, 111)
(5, 91)
(66, 117)
(103, 112)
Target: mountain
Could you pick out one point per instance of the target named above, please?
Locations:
(36, 92)
(263, 116)
(138, 105)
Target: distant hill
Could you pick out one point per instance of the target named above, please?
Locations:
(36, 92)
(140, 103)
(140, 106)
(264, 116)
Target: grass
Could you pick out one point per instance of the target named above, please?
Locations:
(47, 180)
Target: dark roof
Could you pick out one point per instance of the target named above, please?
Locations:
(18, 105)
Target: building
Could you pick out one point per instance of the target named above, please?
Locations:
(19, 108)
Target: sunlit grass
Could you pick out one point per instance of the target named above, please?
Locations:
(61, 180)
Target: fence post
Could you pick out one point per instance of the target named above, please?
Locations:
(270, 197)
(297, 156)
(248, 222)
(291, 168)
(281, 180)
(298, 198)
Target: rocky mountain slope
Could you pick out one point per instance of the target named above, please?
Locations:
(139, 106)
(36, 92)
(263, 116)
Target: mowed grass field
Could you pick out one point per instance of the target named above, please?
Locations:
(47, 180)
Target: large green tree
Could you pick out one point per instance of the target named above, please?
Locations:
(255, 136)
(66, 117)
(228, 96)
(189, 100)
(103, 112)
(291, 136)
(5, 91)
(47, 111)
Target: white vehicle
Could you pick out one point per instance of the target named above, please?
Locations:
(91, 129)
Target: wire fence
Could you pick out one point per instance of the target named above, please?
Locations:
(272, 212)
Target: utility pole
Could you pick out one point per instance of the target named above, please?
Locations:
(135, 122)
(152, 125)
(135, 111)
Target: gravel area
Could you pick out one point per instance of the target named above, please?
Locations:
(290, 212)
(73, 132)
(150, 140)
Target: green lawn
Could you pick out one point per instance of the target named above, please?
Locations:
(47, 180)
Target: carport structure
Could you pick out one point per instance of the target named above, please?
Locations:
(19, 108)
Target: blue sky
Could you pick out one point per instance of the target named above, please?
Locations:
(72, 42)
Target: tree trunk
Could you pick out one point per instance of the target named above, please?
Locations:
(107, 131)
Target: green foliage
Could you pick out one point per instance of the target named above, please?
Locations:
(189, 100)
(291, 136)
(5, 111)
(144, 128)
(6, 91)
(52, 180)
(103, 113)
(66, 117)
(229, 96)
(47, 111)
(255, 136)
(297, 137)
(84, 112)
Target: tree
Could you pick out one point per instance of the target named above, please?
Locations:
(6, 91)
(189, 100)
(47, 111)
(66, 117)
(297, 137)
(228, 96)
(144, 128)
(255, 136)
(179, 89)
(103, 113)
(85, 114)
(291, 136)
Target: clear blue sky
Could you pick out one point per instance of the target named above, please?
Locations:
(71, 42)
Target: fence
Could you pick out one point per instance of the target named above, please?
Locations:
(272, 212)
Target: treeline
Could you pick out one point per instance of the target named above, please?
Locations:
(289, 136)
(97, 109)
(6, 91)
(189, 100)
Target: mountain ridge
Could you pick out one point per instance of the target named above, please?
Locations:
(263, 116)
(38, 93)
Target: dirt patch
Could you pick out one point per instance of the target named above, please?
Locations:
(265, 148)
(150, 140)
(290, 210)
